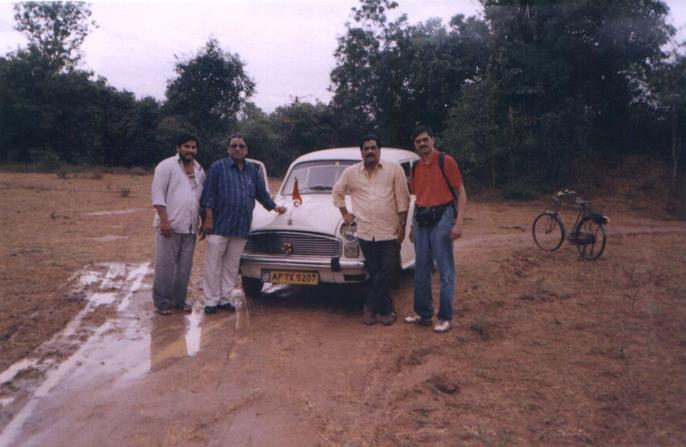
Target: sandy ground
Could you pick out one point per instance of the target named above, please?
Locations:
(547, 349)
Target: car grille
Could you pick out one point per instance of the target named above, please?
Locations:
(299, 244)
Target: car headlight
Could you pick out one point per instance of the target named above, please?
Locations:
(349, 232)
(351, 250)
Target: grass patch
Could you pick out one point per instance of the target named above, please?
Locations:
(137, 170)
(483, 328)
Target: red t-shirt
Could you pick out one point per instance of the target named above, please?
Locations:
(429, 184)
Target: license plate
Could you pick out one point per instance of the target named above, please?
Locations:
(290, 277)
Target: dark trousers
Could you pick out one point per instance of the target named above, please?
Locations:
(382, 259)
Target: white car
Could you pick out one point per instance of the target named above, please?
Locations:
(309, 244)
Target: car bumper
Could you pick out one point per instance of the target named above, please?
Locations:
(331, 270)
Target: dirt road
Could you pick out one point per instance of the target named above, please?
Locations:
(547, 350)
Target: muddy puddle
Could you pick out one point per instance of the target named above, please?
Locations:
(109, 238)
(115, 212)
(113, 342)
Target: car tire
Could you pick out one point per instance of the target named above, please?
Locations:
(251, 286)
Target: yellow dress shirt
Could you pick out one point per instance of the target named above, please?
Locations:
(376, 198)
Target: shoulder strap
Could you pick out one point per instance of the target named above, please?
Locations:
(441, 164)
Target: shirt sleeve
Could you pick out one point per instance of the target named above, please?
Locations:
(201, 176)
(261, 193)
(340, 188)
(402, 195)
(452, 171)
(208, 197)
(160, 185)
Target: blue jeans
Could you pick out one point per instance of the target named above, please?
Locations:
(434, 244)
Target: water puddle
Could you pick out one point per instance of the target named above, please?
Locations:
(26, 382)
(193, 333)
(132, 343)
(108, 238)
(115, 212)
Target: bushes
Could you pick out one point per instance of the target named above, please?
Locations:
(518, 191)
(47, 160)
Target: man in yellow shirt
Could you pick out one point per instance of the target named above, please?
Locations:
(380, 200)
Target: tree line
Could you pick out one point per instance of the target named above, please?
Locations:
(529, 92)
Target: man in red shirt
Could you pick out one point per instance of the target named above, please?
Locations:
(441, 201)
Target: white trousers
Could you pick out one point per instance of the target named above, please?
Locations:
(222, 261)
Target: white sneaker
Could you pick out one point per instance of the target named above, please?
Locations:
(442, 326)
(416, 319)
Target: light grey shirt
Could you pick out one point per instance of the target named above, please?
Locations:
(179, 193)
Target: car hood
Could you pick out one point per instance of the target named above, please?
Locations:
(316, 213)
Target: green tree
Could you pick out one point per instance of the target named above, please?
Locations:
(56, 30)
(302, 127)
(669, 84)
(255, 126)
(46, 112)
(209, 90)
(391, 75)
(564, 79)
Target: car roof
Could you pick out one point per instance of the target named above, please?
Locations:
(353, 153)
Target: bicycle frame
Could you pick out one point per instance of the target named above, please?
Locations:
(584, 207)
(587, 231)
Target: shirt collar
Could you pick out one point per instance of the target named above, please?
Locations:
(432, 160)
(195, 162)
(378, 166)
(180, 162)
(233, 164)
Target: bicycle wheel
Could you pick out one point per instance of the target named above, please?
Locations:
(548, 231)
(595, 235)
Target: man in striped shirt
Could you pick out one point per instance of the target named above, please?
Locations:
(233, 184)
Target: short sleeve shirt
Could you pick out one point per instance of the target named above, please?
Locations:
(428, 182)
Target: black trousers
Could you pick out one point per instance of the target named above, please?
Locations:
(382, 259)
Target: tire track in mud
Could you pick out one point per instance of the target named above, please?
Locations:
(31, 379)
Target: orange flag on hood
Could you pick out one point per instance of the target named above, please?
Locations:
(297, 198)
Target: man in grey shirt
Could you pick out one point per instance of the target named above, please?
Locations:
(176, 189)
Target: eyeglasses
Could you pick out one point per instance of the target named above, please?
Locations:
(237, 146)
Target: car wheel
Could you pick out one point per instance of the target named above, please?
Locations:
(251, 286)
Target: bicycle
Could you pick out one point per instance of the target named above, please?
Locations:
(588, 233)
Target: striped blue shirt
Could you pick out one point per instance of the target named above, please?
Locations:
(231, 193)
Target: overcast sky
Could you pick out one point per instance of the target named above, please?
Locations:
(286, 45)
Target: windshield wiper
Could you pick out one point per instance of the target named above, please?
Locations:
(319, 188)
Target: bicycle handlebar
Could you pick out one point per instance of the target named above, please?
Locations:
(564, 193)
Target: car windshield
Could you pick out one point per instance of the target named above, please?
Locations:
(315, 177)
